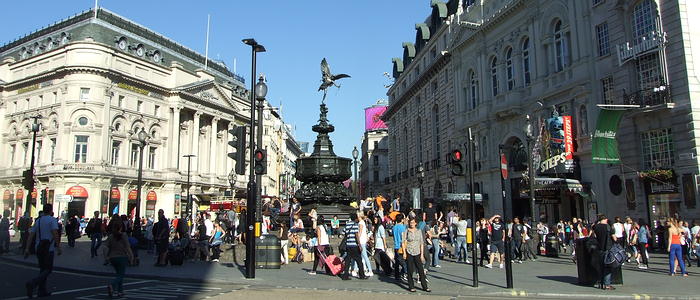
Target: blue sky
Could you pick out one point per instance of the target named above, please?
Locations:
(358, 37)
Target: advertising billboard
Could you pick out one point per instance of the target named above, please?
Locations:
(557, 146)
(373, 118)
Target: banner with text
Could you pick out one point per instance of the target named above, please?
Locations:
(604, 139)
(557, 146)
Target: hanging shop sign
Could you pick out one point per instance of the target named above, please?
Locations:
(151, 196)
(19, 195)
(133, 194)
(604, 139)
(77, 192)
(6, 195)
(557, 146)
(115, 194)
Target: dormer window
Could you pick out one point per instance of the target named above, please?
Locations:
(140, 50)
(122, 43)
(156, 56)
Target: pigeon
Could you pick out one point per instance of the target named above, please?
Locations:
(328, 79)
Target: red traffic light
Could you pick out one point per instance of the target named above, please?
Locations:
(259, 155)
(456, 156)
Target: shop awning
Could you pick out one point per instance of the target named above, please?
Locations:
(550, 184)
(6, 195)
(19, 195)
(151, 196)
(77, 192)
(133, 195)
(450, 197)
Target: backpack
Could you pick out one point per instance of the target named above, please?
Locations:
(614, 257)
(90, 228)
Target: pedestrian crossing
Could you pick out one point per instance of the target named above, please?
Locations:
(160, 291)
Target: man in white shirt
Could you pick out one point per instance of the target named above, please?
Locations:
(619, 231)
(45, 229)
(209, 224)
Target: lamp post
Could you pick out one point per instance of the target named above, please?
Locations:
(252, 189)
(189, 198)
(530, 167)
(30, 188)
(355, 154)
(260, 93)
(142, 137)
(421, 176)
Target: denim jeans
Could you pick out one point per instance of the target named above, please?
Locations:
(461, 243)
(119, 264)
(399, 264)
(607, 276)
(676, 254)
(96, 241)
(365, 259)
(436, 251)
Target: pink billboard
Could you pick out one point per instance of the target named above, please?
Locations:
(373, 118)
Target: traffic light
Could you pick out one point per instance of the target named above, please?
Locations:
(238, 143)
(28, 180)
(260, 162)
(43, 196)
(455, 160)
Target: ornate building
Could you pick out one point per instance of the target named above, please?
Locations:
(96, 80)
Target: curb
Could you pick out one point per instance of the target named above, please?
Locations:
(472, 292)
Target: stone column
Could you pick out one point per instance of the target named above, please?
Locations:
(195, 141)
(174, 139)
(213, 145)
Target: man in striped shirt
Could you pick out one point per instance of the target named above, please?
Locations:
(352, 235)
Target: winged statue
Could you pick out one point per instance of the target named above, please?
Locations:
(328, 79)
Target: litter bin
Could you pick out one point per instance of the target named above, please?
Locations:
(589, 264)
(267, 252)
(552, 245)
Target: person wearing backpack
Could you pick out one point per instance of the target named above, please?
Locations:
(94, 231)
(605, 237)
(47, 238)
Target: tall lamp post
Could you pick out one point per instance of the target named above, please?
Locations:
(260, 93)
(30, 183)
(355, 154)
(421, 176)
(189, 198)
(530, 168)
(142, 137)
(252, 189)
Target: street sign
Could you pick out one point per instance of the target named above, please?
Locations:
(504, 167)
(63, 198)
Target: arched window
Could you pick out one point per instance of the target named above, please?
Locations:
(644, 19)
(436, 130)
(473, 89)
(526, 62)
(583, 119)
(561, 55)
(484, 148)
(509, 69)
(494, 76)
(419, 139)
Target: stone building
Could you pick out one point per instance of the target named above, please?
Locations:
(374, 160)
(96, 80)
(558, 65)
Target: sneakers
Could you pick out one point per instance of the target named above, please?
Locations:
(353, 273)
(438, 266)
(488, 266)
(500, 266)
(643, 267)
(467, 261)
(215, 260)
(312, 273)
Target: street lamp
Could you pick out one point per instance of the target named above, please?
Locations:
(189, 199)
(421, 176)
(142, 137)
(30, 183)
(530, 167)
(260, 93)
(355, 154)
(252, 189)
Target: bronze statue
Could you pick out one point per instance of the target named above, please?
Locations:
(328, 79)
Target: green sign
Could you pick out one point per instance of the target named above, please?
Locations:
(604, 142)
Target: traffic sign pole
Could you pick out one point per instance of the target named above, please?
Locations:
(504, 176)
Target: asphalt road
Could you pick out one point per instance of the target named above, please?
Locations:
(68, 285)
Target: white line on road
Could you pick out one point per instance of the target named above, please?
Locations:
(84, 289)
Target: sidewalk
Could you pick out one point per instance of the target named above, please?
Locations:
(545, 278)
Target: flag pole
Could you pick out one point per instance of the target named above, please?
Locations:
(206, 46)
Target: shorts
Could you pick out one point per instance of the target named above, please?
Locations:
(497, 246)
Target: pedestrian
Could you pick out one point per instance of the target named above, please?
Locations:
(400, 267)
(72, 230)
(5, 232)
(381, 259)
(335, 226)
(119, 255)
(542, 232)
(605, 238)
(675, 255)
(161, 235)
(294, 211)
(352, 236)
(498, 239)
(619, 230)
(434, 241)
(529, 245)
(322, 244)
(284, 242)
(396, 204)
(94, 231)
(643, 236)
(413, 241)
(24, 224)
(47, 237)
(313, 216)
(217, 238)
(148, 233)
(516, 237)
(461, 240)
(483, 240)
(686, 242)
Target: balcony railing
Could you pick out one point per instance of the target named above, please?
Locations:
(649, 97)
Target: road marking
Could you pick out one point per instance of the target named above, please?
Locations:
(161, 291)
(83, 289)
(19, 265)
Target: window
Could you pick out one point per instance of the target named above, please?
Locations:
(603, 39)
(434, 87)
(473, 89)
(419, 139)
(436, 130)
(494, 76)
(81, 148)
(41, 100)
(376, 145)
(120, 101)
(649, 71)
(139, 105)
(38, 151)
(156, 110)
(657, 149)
(82, 121)
(134, 155)
(509, 69)
(376, 176)
(607, 84)
(55, 98)
(561, 50)
(375, 160)
(84, 94)
(484, 148)
(53, 149)
(14, 106)
(25, 147)
(13, 149)
(446, 75)
(115, 152)
(151, 157)
(526, 62)
(26, 103)
(644, 19)
(583, 119)
(433, 52)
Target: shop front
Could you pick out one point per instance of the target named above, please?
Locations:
(562, 199)
(6, 200)
(461, 203)
(77, 206)
(663, 196)
(131, 203)
(19, 203)
(114, 197)
(151, 199)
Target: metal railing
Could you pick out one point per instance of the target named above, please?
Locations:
(649, 97)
